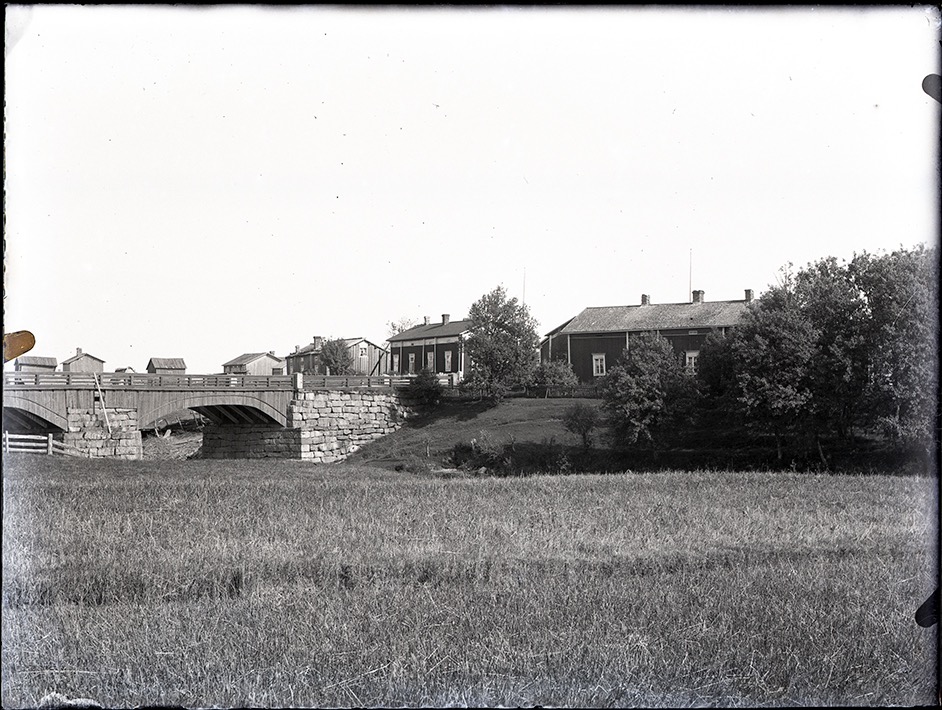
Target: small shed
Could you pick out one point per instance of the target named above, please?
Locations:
(35, 363)
(255, 364)
(83, 362)
(166, 366)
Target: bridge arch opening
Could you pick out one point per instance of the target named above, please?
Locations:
(222, 410)
(23, 415)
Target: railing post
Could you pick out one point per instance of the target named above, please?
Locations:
(297, 379)
(49, 444)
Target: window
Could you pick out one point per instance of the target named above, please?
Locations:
(598, 364)
(430, 361)
(362, 351)
(411, 363)
(690, 360)
(448, 361)
(395, 363)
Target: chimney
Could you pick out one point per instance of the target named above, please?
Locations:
(318, 342)
(748, 295)
(645, 299)
(445, 318)
(698, 296)
(78, 351)
(297, 348)
(425, 320)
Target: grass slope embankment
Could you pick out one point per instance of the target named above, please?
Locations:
(522, 421)
(285, 584)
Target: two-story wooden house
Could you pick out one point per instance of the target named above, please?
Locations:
(438, 347)
(594, 340)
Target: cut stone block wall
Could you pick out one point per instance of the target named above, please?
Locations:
(250, 442)
(323, 426)
(88, 432)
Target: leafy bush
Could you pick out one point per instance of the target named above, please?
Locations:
(555, 373)
(425, 388)
(581, 419)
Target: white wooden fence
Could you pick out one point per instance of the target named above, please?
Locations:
(37, 444)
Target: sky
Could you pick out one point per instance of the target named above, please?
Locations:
(202, 183)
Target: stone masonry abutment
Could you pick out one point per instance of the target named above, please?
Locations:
(323, 426)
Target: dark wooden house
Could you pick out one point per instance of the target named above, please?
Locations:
(438, 347)
(594, 340)
(166, 366)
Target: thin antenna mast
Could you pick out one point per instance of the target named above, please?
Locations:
(690, 278)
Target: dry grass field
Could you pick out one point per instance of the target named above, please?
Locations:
(278, 583)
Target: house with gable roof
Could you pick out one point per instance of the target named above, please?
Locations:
(255, 364)
(83, 362)
(367, 357)
(594, 340)
(166, 366)
(35, 363)
(438, 347)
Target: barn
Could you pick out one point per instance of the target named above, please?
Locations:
(83, 362)
(594, 340)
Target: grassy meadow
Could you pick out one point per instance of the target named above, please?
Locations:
(279, 583)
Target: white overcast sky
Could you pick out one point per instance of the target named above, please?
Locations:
(200, 183)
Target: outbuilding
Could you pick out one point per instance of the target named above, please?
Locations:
(166, 366)
(35, 363)
(83, 362)
(255, 364)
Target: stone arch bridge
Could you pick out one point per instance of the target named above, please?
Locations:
(102, 414)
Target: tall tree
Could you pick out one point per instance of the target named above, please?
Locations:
(648, 393)
(336, 357)
(831, 303)
(901, 290)
(773, 348)
(716, 377)
(395, 327)
(502, 345)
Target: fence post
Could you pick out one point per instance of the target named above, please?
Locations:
(49, 444)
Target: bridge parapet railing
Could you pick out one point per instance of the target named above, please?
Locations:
(124, 380)
(326, 382)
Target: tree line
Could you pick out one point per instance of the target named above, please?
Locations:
(833, 355)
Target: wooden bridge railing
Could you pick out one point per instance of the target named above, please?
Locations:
(125, 380)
